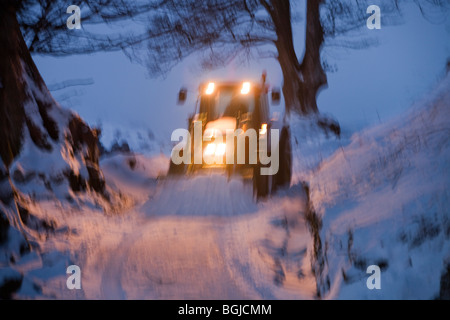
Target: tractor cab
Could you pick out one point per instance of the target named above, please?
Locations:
(245, 102)
(240, 111)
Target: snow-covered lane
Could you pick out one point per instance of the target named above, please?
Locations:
(205, 238)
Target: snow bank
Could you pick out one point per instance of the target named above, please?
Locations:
(311, 145)
(384, 200)
(133, 174)
(57, 162)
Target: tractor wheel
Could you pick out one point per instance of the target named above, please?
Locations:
(260, 183)
(176, 169)
(282, 179)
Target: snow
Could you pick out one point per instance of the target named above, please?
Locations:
(139, 140)
(173, 239)
(381, 194)
(8, 274)
(384, 199)
(44, 170)
(134, 174)
(190, 255)
(311, 146)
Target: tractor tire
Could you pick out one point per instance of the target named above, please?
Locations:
(282, 179)
(260, 184)
(176, 169)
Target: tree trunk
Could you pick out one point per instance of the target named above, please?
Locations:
(313, 75)
(21, 84)
(291, 80)
(301, 82)
(27, 107)
(281, 16)
(12, 95)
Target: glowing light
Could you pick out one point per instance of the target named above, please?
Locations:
(245, 88)
(263, 129)
(209, 133)
(210, 149)
(210, 88)
(220, 150)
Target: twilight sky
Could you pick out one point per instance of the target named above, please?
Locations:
(370, 84)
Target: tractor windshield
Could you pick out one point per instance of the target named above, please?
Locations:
(227, 102)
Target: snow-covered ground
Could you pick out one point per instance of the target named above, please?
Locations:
(198, 237)
(190, 245)
(384, 200)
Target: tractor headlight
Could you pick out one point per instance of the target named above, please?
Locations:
(245, 88)
(213, 149)
(210, 88)
(210, 149)
(263, 129)
(220, 149)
